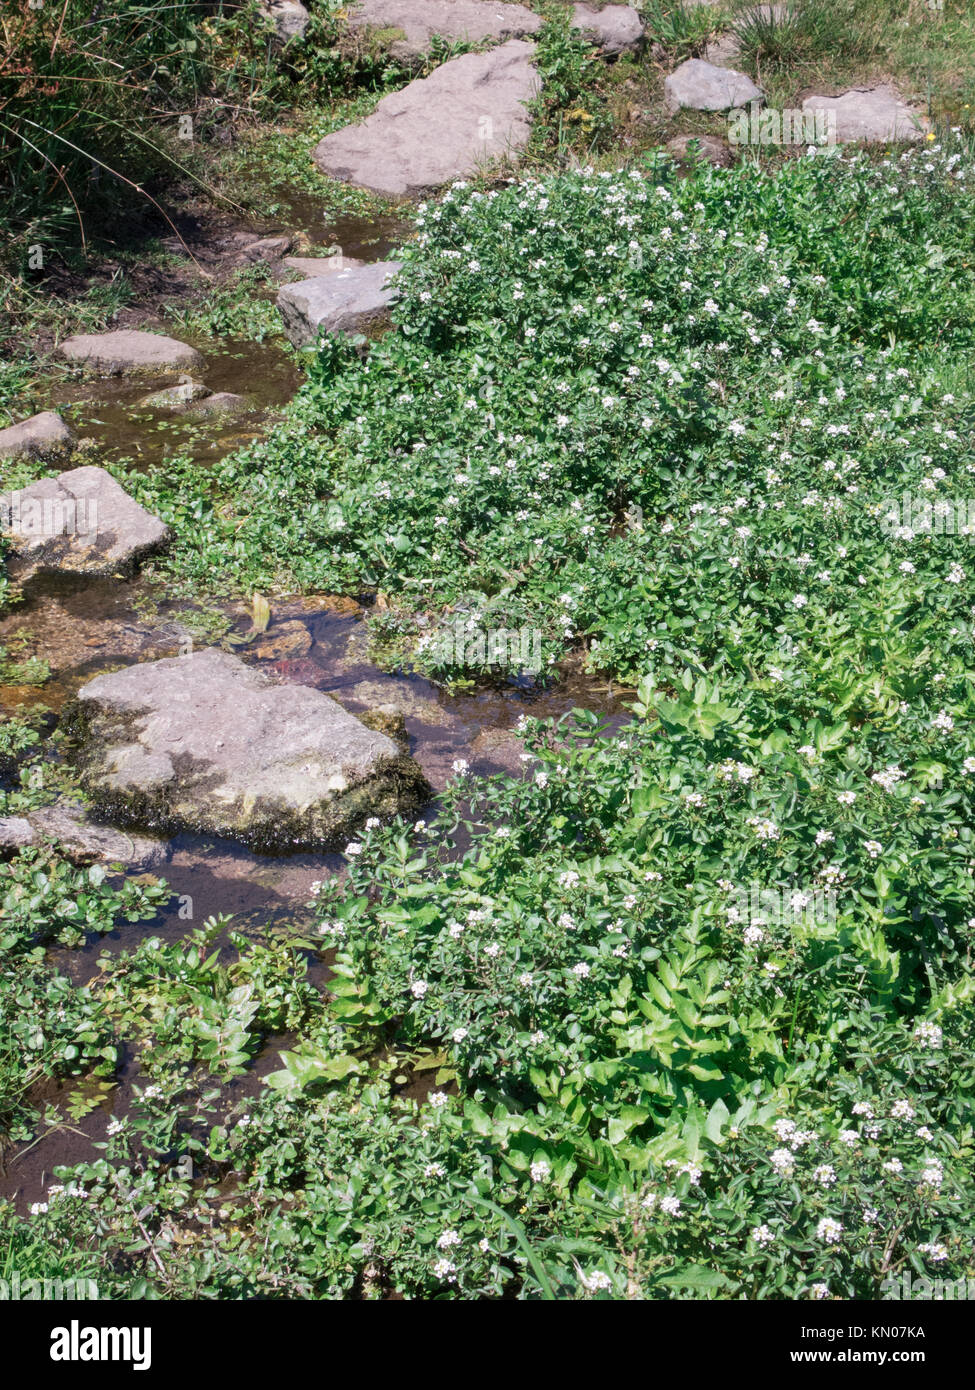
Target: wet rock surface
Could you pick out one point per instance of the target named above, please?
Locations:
(205, 742)
(469, 111)
(81, 522)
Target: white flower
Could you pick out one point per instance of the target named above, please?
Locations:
(443, 1269)
(373, 823)
(935, 1252)
(460, 766)
(783, 1162)
(825, 1175)
(438, 1099)
(762, 1236)
(448, 1238)
(435, 1170)
(829, 1231)
(419, 988)
(540, 1170)
(928, 1034)
(458, 1035)
(819, 1291)
(671, 1205)
(901, 1110)
(846, 798)
(874, 848)
(352, 849)
(581, 969)
(596, 1282)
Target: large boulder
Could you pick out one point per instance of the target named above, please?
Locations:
(439, 128)
(205, 742)
(350, 301)
(875, 114)
(129, 350)
(407, 27)
(703, 87)
(81, 522)
(42, 436)
(615, 28)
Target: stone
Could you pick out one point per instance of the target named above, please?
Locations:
(314, 267)
(289, 17)
(268, 248)
(615, 28)
(704, 87)
(411, 24)
(390, 720)
(172, 397)
(284, 640)
(218, 403)
(42, 436)
(83, 840)
(707, 148)
(723, 51)
(350, 301)
(469, 111)
(129, 350)
(81, 522)
(207, 743)
(875, 114)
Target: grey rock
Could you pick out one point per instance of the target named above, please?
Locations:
(875, 114)
(350, 301)
(289, 17)
(707, 148)
(704, 87)
(218, 403)
(42, 436)
(442, 127)
(83, 840)
(208, 743)
(616, 28)
(172, 397)
(411, 24)
(81, 522)
(723, 51)
(129, 350)
(314, 267)
(268, 248)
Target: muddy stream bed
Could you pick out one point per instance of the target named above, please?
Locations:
(82, 628)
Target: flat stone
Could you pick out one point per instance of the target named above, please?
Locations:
(83, 840)
(129, 350)
(314, 267)
(723, 51)
(412, 24)
(351, 301)
(469, 111)
(703, 87)
(205, 742)
(172, 397)
(615, 28)
(81, 522)
(707, 148)
(875, 114)
(289, 17)
(42, 436)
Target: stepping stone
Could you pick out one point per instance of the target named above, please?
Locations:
(704, 87)
(711, 150)
(129, 350)
(616, 28)
(314, 267)
(439, 128)
(81, 522)
(172, 397)
(350, 301)
(42, 436)
(218, 403)
(408, 26)
(874, 114)
(83, 841)
(289, 17)
(204, 742)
